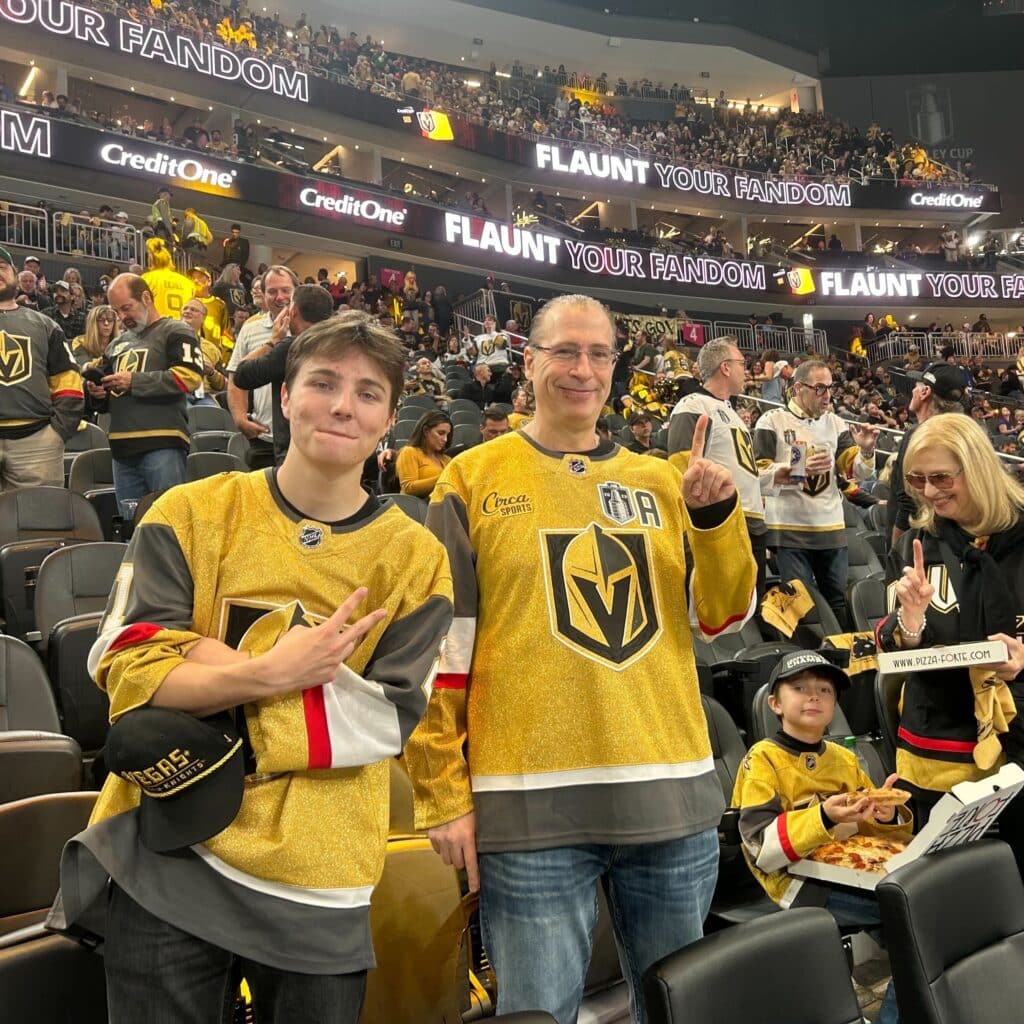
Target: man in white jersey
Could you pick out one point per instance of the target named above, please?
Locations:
(805, 522)
(728, 440)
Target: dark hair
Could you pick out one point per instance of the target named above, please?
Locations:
(429, 420)
(336, 336)
(236, 227)
(312, 303)
(495, 414)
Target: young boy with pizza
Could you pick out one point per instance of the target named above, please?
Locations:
(801, 796)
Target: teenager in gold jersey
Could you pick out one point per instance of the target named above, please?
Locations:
(565, 744)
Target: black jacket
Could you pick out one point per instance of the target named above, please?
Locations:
(269, 369)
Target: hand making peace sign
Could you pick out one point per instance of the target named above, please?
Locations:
(704, 482)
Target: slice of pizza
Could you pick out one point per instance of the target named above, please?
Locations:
(880, 797)
(859, 853)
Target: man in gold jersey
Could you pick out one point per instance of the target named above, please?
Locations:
(594, 766)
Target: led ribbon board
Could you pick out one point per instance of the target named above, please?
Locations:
(63, 18)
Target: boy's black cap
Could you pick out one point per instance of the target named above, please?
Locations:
(944, 379)
(802, 661)
(191, 773)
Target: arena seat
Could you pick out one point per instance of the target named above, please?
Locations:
(615, 421)
(888, 692)
(419, 928)
(86, 438)
(412, 413)
(878, 544)
(74, 586)
(33, 522)
(209, 417)
(738, 896)
(92, 476)
(464, 417)
(954, 925)
(413, 507)
(238, 446)
(75, 581)
(211, 440)
(782, 969)
(34, 762)
(752, 667)
(25, 698)
(402, 430)
(864, 563)
(867, 604)
(877, 517)
(423, 401)
(465, 435)
(200, 465)
(852, 517)
(531, 1017)
(766, 724)
(463, 405)
(44, 978)
(818, 623)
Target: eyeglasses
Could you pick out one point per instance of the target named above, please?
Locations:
(107, 319)
(940, 481)
(571, 354)
(821, 389)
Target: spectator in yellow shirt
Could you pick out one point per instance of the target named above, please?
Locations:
(420, 462)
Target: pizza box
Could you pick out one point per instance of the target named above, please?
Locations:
(931, 659)
(962, 816)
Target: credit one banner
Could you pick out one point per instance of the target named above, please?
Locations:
(342, 207)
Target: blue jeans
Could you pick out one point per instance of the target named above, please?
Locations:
(853, 909)
(538, 910)
(825, 568)
(161, 975)
(153, 471)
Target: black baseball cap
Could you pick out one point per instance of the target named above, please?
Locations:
(191, 772)
(944, 379)
(803, 661)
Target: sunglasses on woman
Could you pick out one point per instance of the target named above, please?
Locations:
(940, 481)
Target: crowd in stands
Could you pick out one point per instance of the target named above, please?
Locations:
(749, 136)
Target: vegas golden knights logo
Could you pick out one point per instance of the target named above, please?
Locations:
(944, 599)
(817, 483)
(255, 627)
(744, 450)
(15, 358)
(132, 361)
(601, 593)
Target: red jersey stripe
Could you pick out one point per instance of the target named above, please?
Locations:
(784, 840)
(68, 394)
(715, 630)
(138, 633)
(926, 743)
(318, 735)
(451, 680)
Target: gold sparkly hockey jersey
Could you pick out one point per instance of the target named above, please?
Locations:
(779, 791)
(569, 666)
(229, 558)
(171, 291)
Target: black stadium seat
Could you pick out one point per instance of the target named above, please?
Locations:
(86, 438)
(465, 435)
(413, 507)
(200, 465)
(33, 522)
(92, 476)
(867, 604)
(74, 586)
(954, 925)
(784, 969)
(209, 417)
(211, 440)
(44, 978)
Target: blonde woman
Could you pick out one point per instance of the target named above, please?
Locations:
(958, 577)
(101, 328)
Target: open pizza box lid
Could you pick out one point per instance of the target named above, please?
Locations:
(962, 816)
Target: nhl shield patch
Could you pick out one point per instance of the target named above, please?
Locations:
(311, 537)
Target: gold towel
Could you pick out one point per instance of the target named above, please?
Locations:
(785, 605)
(994, 710)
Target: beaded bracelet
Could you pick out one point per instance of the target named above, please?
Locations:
(909, 634)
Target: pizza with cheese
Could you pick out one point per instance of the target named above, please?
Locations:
(859, 853)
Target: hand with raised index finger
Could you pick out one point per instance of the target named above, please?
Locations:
(913, 591)
(704, 482)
